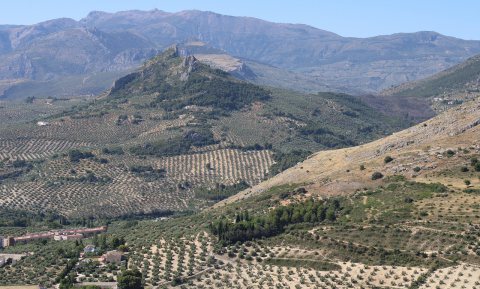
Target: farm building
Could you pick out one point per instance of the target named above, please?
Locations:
(33, 237)
(68, 237)
(3, 261)
(7, 242)
(59, 235)
(114, 257)
(89, 249)
(6, 259)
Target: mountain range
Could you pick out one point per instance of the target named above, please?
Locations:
(68, 57)
(217, 162)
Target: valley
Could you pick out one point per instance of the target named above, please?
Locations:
(198, 150)
(445, 89)
(326, 222)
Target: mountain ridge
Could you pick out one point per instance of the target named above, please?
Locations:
(372, 63)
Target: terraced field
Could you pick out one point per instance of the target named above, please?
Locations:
(14, 112)
(227, 166)
(170, 259)
(95, 130)
(32, 149)
(194, 263)
(53, 183)
(62, 186)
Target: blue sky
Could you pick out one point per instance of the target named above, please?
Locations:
(356, 18)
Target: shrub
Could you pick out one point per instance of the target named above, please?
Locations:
(20, 163)
(177, 145)
(477, 167)
(387, 159)
(30, 99)
(76, 155)
(377, 175)
(102, 161)
(284, 161)
(148, 172)
(449, 153)
(113, 151)
(130, 279)
(220, 191)
(473, 161)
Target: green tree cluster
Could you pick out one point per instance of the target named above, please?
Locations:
(177, 145)
(130, 279)
(76, 155)
(220, 191)
(246, 228)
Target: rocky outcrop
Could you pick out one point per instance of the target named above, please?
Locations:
(188, 64)
(122, 82)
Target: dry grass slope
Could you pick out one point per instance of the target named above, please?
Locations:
(424, 146)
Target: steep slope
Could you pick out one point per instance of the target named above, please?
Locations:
(445, 89)
(62, 58)
(435, 147)
(117, 42)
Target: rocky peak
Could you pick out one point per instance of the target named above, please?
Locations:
(189, 61)
(189, 64)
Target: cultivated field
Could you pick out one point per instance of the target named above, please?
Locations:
(112, 190)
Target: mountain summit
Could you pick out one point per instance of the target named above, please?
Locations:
(175, 81)
(36, 58)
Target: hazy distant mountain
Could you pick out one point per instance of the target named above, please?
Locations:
(445, 89)
(106, 43)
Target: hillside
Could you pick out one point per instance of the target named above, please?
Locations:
(193, 150)
(164, 135)
(398, 212)
(106, 45)
(445, 89)
(424, 146)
